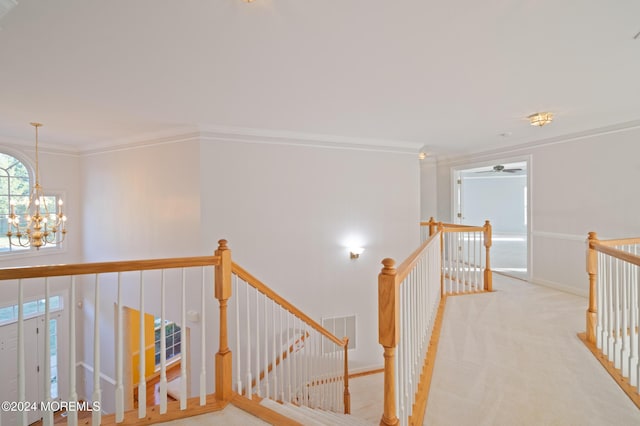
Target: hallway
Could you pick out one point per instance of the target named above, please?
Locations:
(507, 358)
(513, 358)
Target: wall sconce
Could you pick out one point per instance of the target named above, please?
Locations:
(355, 252)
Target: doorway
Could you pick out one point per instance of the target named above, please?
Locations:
(498, 192)
(34, 353)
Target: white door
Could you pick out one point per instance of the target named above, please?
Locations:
(34, 364)
(9, 372)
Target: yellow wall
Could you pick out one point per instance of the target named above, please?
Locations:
(134, 343)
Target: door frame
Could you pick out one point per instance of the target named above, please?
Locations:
(456, 194)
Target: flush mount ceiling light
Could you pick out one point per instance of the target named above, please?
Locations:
(540, 118)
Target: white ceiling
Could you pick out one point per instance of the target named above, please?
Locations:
(451, 75)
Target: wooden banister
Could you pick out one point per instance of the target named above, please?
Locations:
(405, 267)
(488, 276)
(223, 293)
(389, 334)
(619, 242)
(592, 271)
(619, 254)
(264, 289)
(13, 273)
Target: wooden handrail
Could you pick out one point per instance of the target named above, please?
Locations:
(617, 253)
(619, 242)
(24, 272)
(405, 267)
(446, 228)
(263, 288)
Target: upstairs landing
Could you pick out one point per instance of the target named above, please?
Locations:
(513, 357)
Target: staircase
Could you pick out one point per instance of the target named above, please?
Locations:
(312, 417)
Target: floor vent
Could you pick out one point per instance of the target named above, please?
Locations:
(341, 327)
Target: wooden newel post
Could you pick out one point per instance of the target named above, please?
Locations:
(432, 226)
(347, 395)
(389, 335)
(592, 270)
(223, 293)
(488, 277)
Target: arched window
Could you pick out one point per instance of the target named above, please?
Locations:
(14, 186)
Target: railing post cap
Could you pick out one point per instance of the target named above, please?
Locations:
(486, 222)
(222, 245)
(388, 264)
(593, 235)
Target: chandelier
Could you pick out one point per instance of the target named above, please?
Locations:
(41, 226)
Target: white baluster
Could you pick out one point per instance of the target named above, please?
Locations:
(635, 323)
(97, 392)
(287, 346)
(275, 351)
(72, 415)
(258, 344)
(238, 353)
(281, 354)
(266, 349)
(22, 393)
(248, 386)
(625, 320)
(142, 384)
(119, 356)
(618, 324)
(606, 297)
(163, 347)
(599, 302)
(610, 311)
(183, 344)
(203, 340)
(47, 418)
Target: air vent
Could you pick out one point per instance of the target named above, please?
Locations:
(341, 327)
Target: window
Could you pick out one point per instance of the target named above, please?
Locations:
(173, 339)
(15, 187)
(33, 308)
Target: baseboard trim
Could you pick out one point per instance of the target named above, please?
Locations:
(560, 287)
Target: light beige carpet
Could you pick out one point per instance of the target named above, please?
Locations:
(512, 357)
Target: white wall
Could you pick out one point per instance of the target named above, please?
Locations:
(290, 211)
(577, 186)
(139, 203)
(142, 202)
(428, 189)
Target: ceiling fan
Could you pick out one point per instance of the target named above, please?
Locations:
(499, 168)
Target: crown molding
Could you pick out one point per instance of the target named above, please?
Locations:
(523, 148)
(261, 136)
(254, 136)
(19, 145)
